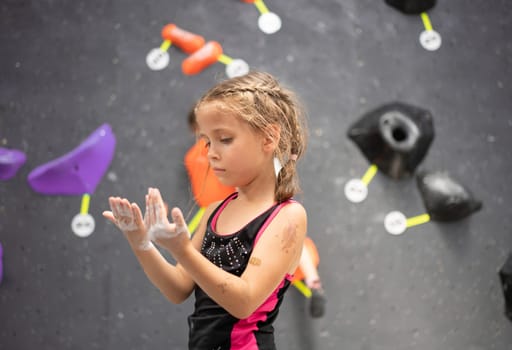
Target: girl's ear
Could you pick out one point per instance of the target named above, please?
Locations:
(272, 137)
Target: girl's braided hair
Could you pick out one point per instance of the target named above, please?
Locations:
(261, 101)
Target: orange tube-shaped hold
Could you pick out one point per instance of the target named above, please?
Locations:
(187, 41)
(249, 1)
(202, 58)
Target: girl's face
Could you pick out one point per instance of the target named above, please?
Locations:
(237, 153)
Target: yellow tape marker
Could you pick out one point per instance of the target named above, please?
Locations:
(225, 59)
(84, 207)
(192, 226)
(370, 173)
(165, 45)
(426, 21)
(417, 220)
(301, 286)
(260, 5)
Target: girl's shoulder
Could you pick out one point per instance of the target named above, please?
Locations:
(292, 210)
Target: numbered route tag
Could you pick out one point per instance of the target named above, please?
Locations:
(395, 223)
(430, 40)
(269, 23)
(237, 68)
(157, 59)
(356, 191)
(82, 225)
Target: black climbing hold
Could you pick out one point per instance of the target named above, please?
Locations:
(445, 199)
(506, 283)
(412, 7)
(395, 137)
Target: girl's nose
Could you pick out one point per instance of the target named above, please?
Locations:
(212, 154)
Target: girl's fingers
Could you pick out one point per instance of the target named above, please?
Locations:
(117, 209)
(125, 206)
(151, 208)
(123, 215)
(137, 215)
(109, 216)
(111, 203)
(161, 210)
(179, 221)
(157, 194)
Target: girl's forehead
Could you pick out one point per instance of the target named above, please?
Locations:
(215, 113)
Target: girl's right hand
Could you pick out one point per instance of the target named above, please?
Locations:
(172, 236)
(128, 218)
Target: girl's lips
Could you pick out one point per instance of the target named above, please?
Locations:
(218, 170)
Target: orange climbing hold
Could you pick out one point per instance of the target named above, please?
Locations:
(187, 41)
(310, 246)
(202, 58)
(206, 188)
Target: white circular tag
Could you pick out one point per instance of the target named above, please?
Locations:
(430, 40)
(395, 223)
(237, 68)
(157, 59)
(82, 225)
(356, 191)
(269, 23)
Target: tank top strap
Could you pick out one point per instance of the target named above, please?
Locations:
(212, 221)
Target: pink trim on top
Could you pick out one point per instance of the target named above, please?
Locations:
(214, 220)
(242, 335)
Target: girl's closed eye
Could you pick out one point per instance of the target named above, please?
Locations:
(226, 140)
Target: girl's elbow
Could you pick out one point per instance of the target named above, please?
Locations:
(241, 314)
(176, 298)
(243, 311)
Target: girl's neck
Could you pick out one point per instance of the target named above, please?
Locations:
(258, 191)
(255, 197)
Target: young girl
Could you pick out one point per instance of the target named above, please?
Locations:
(241, 259)
(206, 189)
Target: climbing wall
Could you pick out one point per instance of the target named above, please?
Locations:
(68, 68)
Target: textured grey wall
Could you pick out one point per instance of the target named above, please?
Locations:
(67, 67)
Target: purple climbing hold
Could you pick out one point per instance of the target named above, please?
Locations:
(11, 161)
(78, 171)
(1, 263)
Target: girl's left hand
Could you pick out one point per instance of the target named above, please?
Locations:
(160, 230)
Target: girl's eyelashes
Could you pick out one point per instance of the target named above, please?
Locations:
(221, 139)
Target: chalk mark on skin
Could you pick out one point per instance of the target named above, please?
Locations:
(146, 244)
(126, 222)
(125, 219)
(161, 228)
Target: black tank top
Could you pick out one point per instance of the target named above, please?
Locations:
(212, 327)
